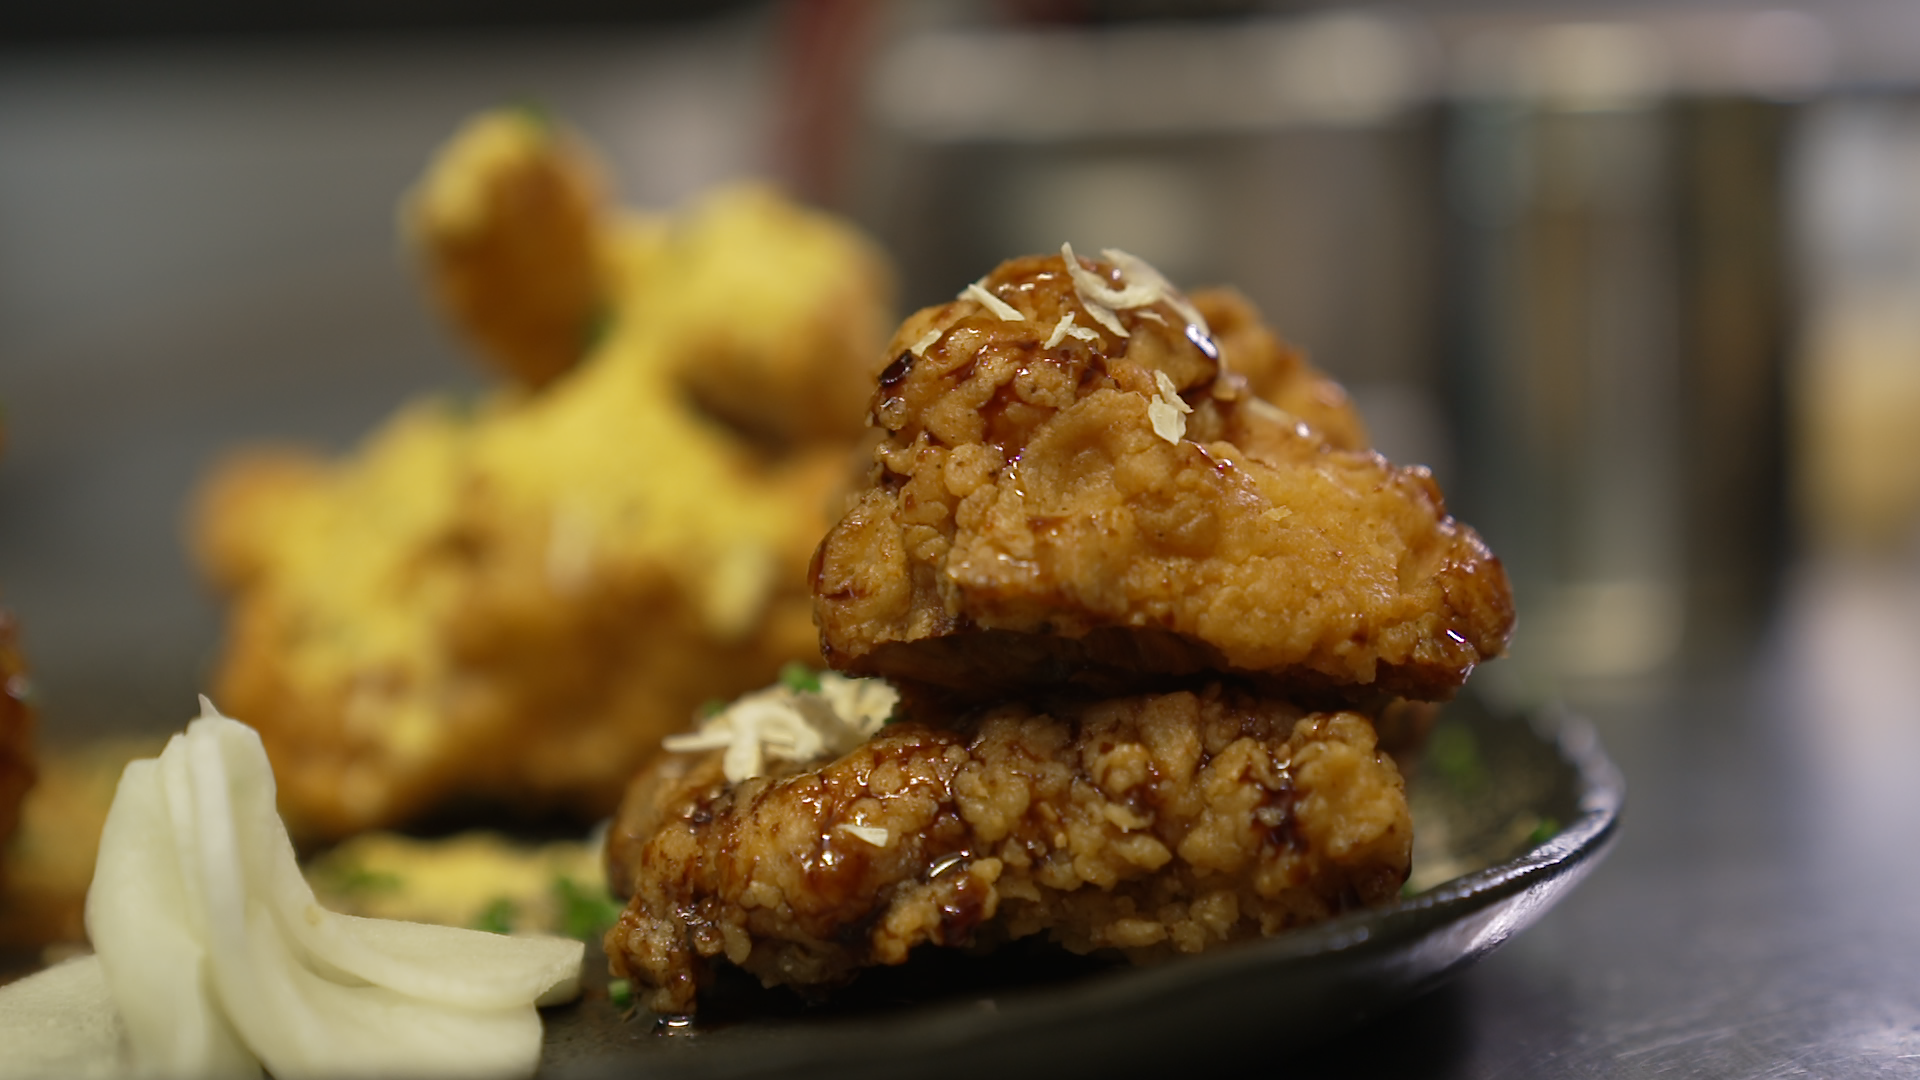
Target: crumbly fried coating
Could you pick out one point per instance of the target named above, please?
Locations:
(1115, 510)
(508, 223)
(759, 374)
(1276, 371)
(513, 601)
(1154, 825)
(16, 732)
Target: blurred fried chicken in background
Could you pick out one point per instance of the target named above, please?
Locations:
(512, 602)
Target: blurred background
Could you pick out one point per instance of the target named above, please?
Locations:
(1640, 283)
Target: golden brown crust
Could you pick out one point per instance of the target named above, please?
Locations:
(1026, 522)
(789, 376)
(512, 602)
(402, 639)
(508, 225)
(1276, 371)
(1153, 825)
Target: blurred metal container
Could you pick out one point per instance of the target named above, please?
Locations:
(1292, 158)
(1621, 323)
(1547, 257)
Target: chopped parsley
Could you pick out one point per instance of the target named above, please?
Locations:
(1543, 832)
(584, 913)
(359, 881)
(620, 991)
(498, 917)
(799, 678)
(535, 113)
(1455, 755)
(598, 326)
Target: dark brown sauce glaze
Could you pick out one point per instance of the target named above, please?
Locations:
(1032, 379)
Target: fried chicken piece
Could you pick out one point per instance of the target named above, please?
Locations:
(1055, 501)
(1276, 371)
(759, 374)
(509, 224)
(512, 602)
(1154, 825)
(526, 260)
(16, 732)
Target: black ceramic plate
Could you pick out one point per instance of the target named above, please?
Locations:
(1510, 812)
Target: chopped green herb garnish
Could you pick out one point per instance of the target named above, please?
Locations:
(799, 678)
(598, 326)
(1456, 756)
(1407, 889)
(1543, 832)
(460, 408)
(711, 707)
(359, 879)
(621, 992)
(535, 113)
(584, 913)
(498, 917)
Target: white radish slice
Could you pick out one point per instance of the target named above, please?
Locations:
(442, 963)
(61, 1022)
(154, 963)
(220, 959)
(305, 1025)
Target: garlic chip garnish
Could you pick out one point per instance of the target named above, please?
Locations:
(791, 725)
(1067, 328)
(927, 341)
(218, 960)
(1006, 311)
(872, 834)
(1144, 285)
(1105, 317)
(1139, 272)
(1168, 412)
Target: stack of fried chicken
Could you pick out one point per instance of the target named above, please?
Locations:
(1147, 600)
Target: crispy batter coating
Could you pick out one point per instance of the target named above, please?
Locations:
(514, 601)
(1153, 825)
(760, 374)
(1114, 511)
(508, 223)
(1276, 371)
(16, 732)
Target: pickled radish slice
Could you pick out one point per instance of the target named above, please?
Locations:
(213, 957)
(61, 1022)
